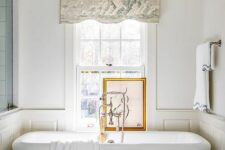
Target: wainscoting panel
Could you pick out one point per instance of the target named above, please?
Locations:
(43, 125)
(44, 120)
(6, 138)
(10, 129)
(174, 120)
(213, 129)
(176, 125)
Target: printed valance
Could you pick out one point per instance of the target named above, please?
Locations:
(109, 11)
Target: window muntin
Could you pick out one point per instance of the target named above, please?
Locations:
(102, 44)
(105, 50)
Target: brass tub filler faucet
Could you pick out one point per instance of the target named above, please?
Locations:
(112, 112)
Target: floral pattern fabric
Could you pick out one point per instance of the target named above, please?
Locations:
(109, 11)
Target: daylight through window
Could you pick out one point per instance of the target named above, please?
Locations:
(105, 50)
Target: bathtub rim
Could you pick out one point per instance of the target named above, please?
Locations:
(20, 140)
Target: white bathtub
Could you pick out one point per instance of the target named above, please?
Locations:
(132, 140)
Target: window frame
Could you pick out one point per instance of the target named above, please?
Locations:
(77, 71)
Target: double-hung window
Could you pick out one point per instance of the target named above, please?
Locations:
(105, 51)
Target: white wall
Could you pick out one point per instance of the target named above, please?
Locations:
(45, 77)
(41, 54)
(179, 31)
(212, 127)
(172, 72)
(42, 81)
(214, 23)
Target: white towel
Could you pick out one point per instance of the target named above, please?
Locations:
(204, 56)
(74, 145)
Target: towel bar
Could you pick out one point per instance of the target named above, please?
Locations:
(218, 43)
(209, 67)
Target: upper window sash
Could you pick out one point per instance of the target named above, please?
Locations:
(78, 40)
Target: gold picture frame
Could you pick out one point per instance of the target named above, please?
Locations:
(136, 115)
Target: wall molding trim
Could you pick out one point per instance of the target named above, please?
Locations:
(212, 127)
(9, 112)
(53, 109)
(156, 116)
(156, 86)
(10, 129)
(177, 124)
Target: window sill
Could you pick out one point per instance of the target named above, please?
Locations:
(6, 112)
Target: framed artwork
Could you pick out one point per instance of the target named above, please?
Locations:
(132, 91)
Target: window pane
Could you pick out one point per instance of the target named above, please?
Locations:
(89, 51)
(89, 30)
(110, 53)
(89, 108)
(131, 30)
(89, 84)
(131, 53)
(110, 31)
